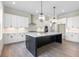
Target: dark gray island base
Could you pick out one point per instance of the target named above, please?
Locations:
(37, 40)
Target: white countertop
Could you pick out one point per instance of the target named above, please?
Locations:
(34, 34)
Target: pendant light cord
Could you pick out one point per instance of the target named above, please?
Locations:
(41, 7)
(54, 11)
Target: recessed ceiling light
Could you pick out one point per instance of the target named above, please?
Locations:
(63, 11)
(13, 3)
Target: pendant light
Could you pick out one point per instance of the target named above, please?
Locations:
(54, 12)
(54, 20)
(41, 16)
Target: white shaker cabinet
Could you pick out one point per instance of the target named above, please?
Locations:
(14, 28)
(11, 20)
(13, 37)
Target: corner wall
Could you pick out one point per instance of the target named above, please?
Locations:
(1, 27)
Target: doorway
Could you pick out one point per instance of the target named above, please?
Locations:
(61, 29)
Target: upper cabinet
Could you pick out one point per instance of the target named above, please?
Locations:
(11, 20)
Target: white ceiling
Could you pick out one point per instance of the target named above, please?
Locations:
(33, 7)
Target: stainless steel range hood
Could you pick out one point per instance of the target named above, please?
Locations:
(31, 21)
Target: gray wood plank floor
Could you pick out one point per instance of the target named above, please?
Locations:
(66, 49)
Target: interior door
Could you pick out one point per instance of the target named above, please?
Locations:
(61, 29)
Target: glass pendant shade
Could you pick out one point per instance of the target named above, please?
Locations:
(53, 19)
(41, 17)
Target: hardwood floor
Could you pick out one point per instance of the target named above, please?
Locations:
(66, 49)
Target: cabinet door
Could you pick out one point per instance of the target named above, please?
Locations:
(40, 41)
(5, 37)
(15, 21)
(25, 22)
(9, 38)
(8, 20)
(21, 37)
(59, 38)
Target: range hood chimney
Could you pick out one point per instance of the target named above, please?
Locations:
(31, 22)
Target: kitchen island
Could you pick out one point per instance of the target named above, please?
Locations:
(36, 40)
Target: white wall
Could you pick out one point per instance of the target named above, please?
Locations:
(41, 25)
(1, 27)
(48, 22)
(17, 12)
(61, 21)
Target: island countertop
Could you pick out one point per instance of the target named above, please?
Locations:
(36, 34)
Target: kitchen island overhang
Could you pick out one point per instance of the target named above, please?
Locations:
(36, 40)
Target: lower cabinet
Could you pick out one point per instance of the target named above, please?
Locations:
(13, 37)
(45, 40)
(48, 39)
